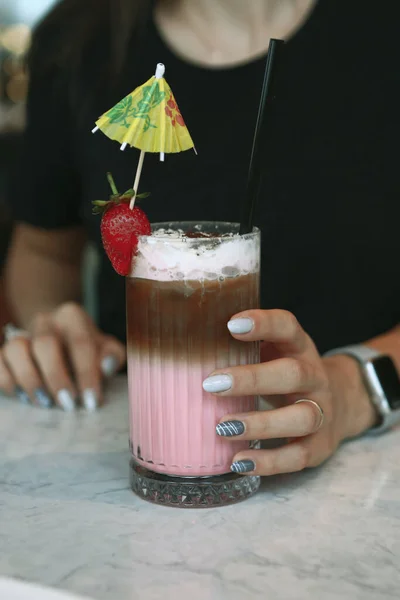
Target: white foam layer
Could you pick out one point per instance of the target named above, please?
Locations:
(170, 258)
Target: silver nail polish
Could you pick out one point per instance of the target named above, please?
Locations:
(241, 325)
(109, 366)
(89, 399)
(243, 466)
(217, 383)
(43, 399)
(66, 400)
(22, 395)
(230, 428)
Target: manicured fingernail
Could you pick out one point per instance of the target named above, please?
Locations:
(43, 399)
(217, 383)
(243, 466)
(22, 395)
(241, 325)
(230, 428)
(109, 366)
(90, 401)
(66, 400)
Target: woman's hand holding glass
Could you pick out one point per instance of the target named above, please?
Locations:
(318, 402)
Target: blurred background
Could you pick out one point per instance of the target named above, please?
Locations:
(17, 18)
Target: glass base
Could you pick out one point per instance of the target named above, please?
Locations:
(191, 492)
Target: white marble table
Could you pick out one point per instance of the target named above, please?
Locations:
(69, 520)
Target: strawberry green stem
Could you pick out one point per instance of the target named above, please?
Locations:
(111, 181)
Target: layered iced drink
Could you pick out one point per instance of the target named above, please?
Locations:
(187, 281)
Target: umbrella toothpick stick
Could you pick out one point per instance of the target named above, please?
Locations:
(137, 178)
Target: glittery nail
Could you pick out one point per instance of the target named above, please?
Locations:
(43, 399)
(240, 325)
(217, 383)
(22, 395)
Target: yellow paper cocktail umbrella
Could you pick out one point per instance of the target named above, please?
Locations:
(148, 119)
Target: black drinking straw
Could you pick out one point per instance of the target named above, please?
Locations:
(254, 175)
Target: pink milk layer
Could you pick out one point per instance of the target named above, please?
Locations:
(176, 427)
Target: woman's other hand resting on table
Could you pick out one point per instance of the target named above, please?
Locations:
(64, 357)
(319, 402)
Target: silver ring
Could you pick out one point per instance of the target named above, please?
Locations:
(11, 332)
(321, 412)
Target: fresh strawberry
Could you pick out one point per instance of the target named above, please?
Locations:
(121, 228)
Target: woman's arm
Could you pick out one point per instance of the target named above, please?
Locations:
(43, 270)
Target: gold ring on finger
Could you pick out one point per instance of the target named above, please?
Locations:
(321, 412)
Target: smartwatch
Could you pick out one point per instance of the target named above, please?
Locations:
(382, 382)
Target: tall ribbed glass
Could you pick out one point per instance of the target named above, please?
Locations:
(188, 280)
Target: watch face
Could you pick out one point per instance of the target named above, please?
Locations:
(389, 380)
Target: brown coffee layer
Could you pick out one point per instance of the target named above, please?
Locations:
(187, 320)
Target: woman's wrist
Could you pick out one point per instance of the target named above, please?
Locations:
(352, 402)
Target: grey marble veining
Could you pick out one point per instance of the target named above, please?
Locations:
(69, 520)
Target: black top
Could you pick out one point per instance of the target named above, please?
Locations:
(330, 204)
